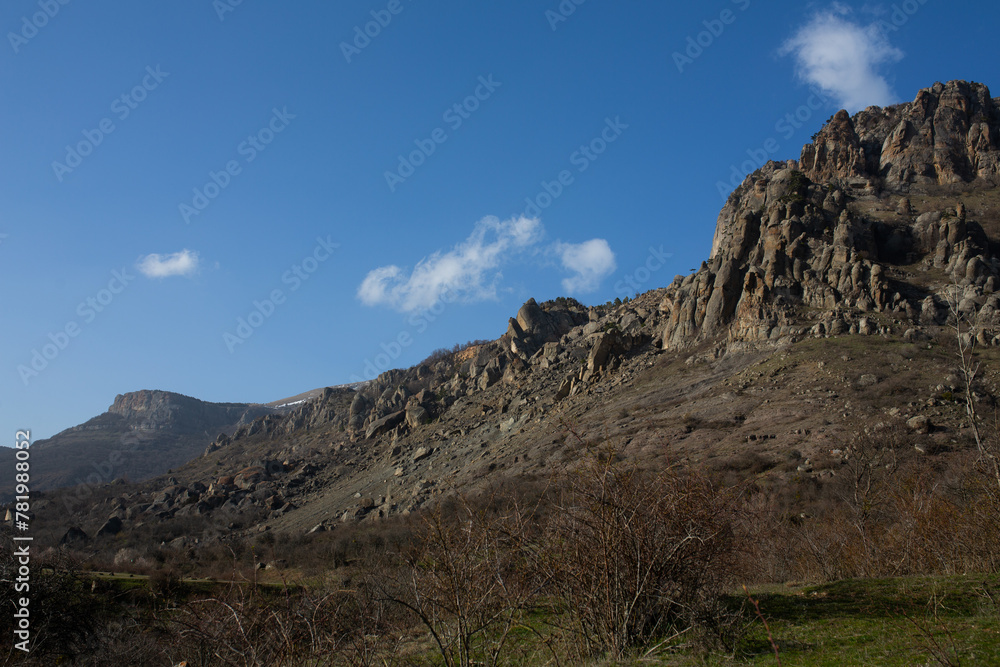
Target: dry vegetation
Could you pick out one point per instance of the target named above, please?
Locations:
(603, 562)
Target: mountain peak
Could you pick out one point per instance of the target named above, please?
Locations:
(827, 244)
(949, 134)
(145, 400)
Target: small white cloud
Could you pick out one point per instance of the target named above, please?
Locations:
(183, 263)
(469, 271)
(374, 288)
(842, 57)
(591, 262)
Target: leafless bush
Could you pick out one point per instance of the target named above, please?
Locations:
(251, 626)
(889, 512)
(468, 578)
(874, 460)
(636, 556)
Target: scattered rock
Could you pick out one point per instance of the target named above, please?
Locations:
(416, 415)
(920, 424)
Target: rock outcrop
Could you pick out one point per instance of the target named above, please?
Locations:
(158, 410)
(810, 246)
(947, 135)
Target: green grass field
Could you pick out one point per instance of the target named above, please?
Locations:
(905, 621)
(898, 621)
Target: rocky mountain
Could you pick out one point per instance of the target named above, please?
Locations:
(143, 434)
(837, 232)
(822, 308)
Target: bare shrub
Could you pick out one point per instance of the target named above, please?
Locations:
(253, 626)
(637, 556)
(467, 578)
(871, 475)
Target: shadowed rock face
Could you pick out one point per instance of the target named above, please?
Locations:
(798, 234)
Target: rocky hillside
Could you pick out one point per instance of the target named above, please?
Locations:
(143, 434)
(821, 309)
(834, 242)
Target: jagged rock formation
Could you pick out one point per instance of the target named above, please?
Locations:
(947, 135)
(807, 247)
(328, 407)
(560, 347)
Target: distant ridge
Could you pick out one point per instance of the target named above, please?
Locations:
(143, 434)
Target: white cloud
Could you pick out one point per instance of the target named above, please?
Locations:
(590, 262)
(469, 271)
(183, 263)
(842, 57)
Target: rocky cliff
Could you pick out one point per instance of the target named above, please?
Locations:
(163, 410)
(949, 134)
(821, 245)
(885, 219)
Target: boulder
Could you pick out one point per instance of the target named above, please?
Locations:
(385, 424)
(248, 478)
(564, 388)
(491, 374)
(416, 415)
(920, 424)
(600, 352)
(111, 527)
(73, 537)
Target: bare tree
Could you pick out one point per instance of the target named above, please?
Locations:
(874, 458)
(969, 329)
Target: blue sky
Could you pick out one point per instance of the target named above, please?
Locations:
(243, 202)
